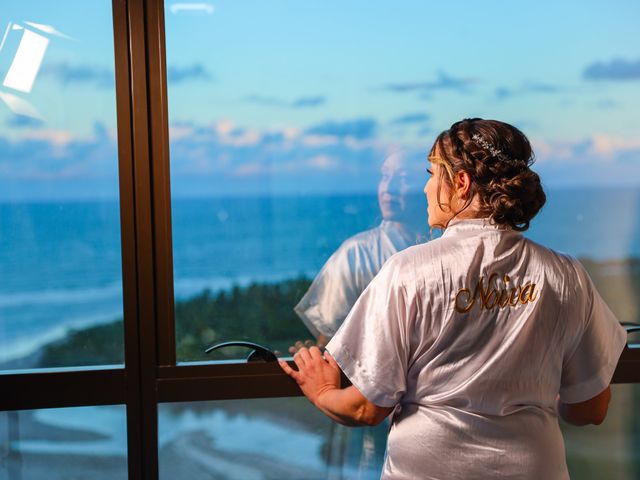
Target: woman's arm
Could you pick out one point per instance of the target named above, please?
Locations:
(592, 411)
(319, 379)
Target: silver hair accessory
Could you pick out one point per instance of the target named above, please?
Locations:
(481, 142)
(514, 162)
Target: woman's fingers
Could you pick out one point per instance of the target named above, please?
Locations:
(288, 370)
(302, 357)
(331, 360)
(315, 353)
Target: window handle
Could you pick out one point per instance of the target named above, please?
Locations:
(258, 352)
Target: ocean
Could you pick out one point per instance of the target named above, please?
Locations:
(60, 263)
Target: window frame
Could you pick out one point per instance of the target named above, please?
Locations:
(150, 374)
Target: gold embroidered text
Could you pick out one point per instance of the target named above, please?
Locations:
(492, 296)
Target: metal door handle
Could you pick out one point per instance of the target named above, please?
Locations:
(258, 352)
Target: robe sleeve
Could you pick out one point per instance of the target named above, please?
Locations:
(592, 357)
(332, 293)
(372, 345)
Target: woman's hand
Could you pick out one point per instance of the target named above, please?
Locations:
(316, 374)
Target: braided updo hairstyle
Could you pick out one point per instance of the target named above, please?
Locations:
(497, 157)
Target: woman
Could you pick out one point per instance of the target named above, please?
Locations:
(477, 340)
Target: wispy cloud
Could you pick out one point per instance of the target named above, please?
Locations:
(69, 74)
(411, 118)
(197, 71)
(304, 102)
(528, 88)
(360, 128)
(442, 82)
(300, 102)
(23, 121)
(616, 70)
(187, 7)
(607, 104)
(47, 154)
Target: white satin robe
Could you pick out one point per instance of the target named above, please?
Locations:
(475, 390)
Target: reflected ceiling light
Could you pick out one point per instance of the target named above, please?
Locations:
(47, 29)
(206, 8)
(20, 106)
(27, 60)
(4, 37)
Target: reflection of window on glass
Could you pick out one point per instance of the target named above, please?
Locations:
(27, 45)
(343, 278)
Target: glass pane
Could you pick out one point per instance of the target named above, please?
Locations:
(264, 439)
(272, 179)
(609, 450)
(281, 123)
(60, 263)
(64, 443)
(277, 141)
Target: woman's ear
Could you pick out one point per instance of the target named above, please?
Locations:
(462, 184)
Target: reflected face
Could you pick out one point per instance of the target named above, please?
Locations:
(393, 188)
(436, 215)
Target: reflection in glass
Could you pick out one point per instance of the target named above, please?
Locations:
(60, 262)
(261, 439)
(64, 443)
(609, 450)
(358, 259)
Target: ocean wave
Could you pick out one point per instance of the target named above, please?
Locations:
(183, 287)
(61, 296)
(22, 347)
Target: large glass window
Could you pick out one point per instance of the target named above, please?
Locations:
(298, 137)
(60, 263)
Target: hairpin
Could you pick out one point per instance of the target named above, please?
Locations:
(481, 142)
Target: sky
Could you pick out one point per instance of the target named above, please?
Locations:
(305, 97)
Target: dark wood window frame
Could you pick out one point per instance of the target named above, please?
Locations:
(150, 374)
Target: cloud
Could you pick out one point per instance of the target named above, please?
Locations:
(616, 70)
(23, 121)
(198, 8)
(197, 71)
(68, 74)
(411, 118)
(607, 104)
(361, 128)
(527, 88)
(443, 82)
(51, 155)
(224, 158)
(503, 93)
(595, 160)
(301, 102)
(541, 87)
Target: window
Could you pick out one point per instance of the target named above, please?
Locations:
(60, 262)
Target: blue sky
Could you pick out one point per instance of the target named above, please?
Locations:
(275, 97)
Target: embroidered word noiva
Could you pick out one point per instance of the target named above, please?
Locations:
(491, 296)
